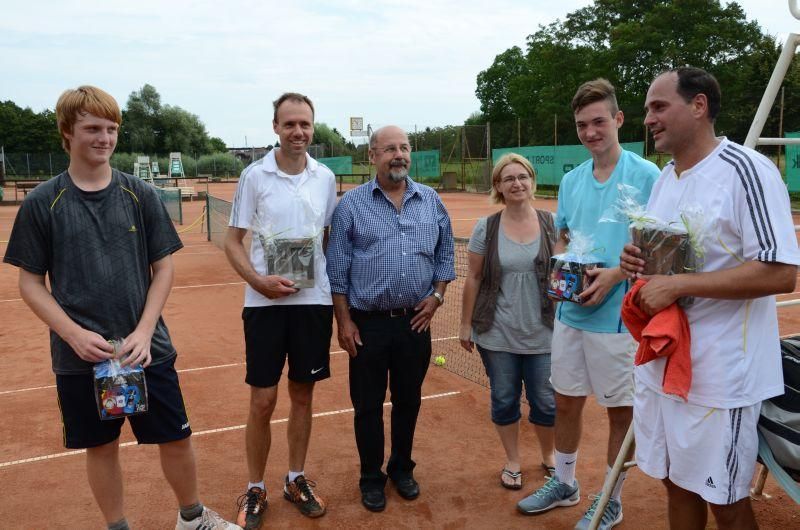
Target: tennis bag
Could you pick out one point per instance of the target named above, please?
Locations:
(779, 423)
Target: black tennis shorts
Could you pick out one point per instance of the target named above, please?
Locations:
(165, 419)
(300, 332)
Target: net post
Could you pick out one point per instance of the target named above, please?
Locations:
(208, 215)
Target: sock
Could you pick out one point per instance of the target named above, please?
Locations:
(565, 466)
(191, 512)
(261, 485)
(122, 524)
(294, 474)
(616, 493)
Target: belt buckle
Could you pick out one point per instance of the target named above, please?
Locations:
(400, 312)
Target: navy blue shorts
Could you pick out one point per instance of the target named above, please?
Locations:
(300, 332)
(165, 419)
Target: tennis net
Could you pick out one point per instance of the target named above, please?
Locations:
(171, 197)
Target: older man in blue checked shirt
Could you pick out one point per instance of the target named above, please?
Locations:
(390, 258)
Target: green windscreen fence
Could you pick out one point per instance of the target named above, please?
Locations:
(425, 164)
(793, 163)
(340, 165)
(552, 162)
(171, 197)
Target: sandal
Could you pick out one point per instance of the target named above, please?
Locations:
(516, 479)
(549, 471)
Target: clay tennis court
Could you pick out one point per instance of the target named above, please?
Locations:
(458, 454)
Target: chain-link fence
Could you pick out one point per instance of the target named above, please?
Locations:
(42, 166)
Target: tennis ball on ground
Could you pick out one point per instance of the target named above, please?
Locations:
(439, 360)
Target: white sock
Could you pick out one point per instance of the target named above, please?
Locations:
(565, 467)
(256, 485)
(294, 474)
(616, 493)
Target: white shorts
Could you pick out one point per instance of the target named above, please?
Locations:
(709, 451)
(584, 363)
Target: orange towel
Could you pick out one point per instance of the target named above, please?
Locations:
(665, 334)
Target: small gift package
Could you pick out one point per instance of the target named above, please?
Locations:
(568, 276)
(119, 390)
(290, 252)
(292, 259)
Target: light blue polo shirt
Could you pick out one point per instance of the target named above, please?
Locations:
(582, 201)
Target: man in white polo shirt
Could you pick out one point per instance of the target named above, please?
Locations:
(705, 449)
(285, 199)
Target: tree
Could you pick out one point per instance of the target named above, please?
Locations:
(217, 145)
(629, 43)
(141, 124)
(22, 130)
(181, 131)
(323, 134)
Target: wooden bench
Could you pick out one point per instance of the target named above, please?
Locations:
(25, 186)
(187, 191)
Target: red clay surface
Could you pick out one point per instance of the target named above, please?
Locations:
(457, 451)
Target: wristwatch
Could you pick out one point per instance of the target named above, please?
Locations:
(439, 297)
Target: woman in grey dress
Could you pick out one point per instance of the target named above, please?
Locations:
(506, 312)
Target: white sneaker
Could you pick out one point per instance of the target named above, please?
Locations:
(208, 520)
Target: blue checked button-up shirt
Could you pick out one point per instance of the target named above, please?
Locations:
(384, 259)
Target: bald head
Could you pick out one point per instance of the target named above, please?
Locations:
(385, 131)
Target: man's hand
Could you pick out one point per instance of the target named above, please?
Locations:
(349, 337)
(90, 346)
(630, 261)
(274, 286)
(658, 293)
(137, 347)
(425, 310)
(603, 280)
(465, 337)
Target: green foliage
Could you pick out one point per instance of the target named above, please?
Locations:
(335, 142)
(22, 130)
(148, 126)
(217, 145)
(630, 43)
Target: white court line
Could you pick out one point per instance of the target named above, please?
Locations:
(181, 371)
(202, 433)
(174, 288)
(207, 285)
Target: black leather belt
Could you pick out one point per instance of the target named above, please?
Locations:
(388, 313)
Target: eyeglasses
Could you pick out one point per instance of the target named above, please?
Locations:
(511, 178)
(389, 149)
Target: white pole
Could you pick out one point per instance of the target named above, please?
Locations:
(793, 7)
(773, 86)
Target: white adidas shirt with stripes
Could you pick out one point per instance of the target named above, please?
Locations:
(735, 349)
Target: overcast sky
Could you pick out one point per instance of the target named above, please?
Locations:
(409, 62)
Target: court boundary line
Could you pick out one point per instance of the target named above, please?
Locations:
(174, 288)
(185, 370)
(74, 452)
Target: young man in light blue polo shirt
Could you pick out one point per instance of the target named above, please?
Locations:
(592, 352)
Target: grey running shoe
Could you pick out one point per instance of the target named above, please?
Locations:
(612, 515)
(208, 520)
(554, 493)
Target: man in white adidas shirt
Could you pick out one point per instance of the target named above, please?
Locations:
(705, 449)
(286, 195)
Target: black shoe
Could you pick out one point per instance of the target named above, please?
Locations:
(373, 500)
(407, 487)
